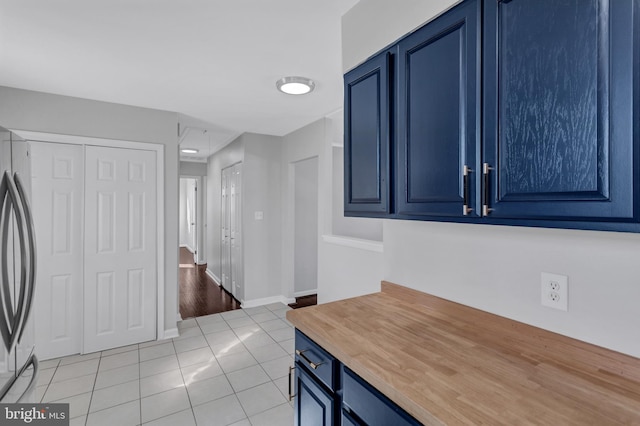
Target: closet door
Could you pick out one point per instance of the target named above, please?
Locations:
(120, 247)
(236, 232)
(225, 219)
(57, 199)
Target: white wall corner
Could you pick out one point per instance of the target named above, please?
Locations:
(170, 333)
(305, 293)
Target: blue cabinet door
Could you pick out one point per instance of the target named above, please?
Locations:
(558, 109)
(438, 121)
(366, 138)
(314, 406)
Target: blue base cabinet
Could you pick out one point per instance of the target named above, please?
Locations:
(329, 394)
(314, 406)
(519, 112)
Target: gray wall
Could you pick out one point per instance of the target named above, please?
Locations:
(262, 238)
(42, 112)
(307, 142)
(260, 156)
(192, 168)
(496, 268)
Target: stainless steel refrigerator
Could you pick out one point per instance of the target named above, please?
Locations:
(18, 363)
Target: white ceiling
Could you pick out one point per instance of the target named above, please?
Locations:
(215, 62)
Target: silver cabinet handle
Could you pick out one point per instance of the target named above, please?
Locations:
(304, 357)
(486, 202)
(465, 190)
(291, 394)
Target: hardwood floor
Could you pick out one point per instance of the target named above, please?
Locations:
(199, 294)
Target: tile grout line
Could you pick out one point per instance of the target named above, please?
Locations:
(95, 380)
(225, 373)
(184, 383)
(139, 385)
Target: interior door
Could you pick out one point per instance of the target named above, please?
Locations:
(236, 231)
(193, 219)
(57, 199)
(120, 247)
(225, 253)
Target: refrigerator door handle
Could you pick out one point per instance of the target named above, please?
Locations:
(14, 318)
(33, 360)
(31, 241)
(32, 382)
(5, 291)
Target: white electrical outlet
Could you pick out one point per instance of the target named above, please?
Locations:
(554, 291)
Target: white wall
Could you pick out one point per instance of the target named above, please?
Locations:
(47, 113)
(498, 268)
(305, 212)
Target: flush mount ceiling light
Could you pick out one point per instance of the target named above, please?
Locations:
(189, 151)
(295, 85)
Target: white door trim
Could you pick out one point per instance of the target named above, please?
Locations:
(159, 149)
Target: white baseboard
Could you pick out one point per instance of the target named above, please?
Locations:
(305, 293)
(188, 247)
(213, 277)
(266, 301)
(170, 333)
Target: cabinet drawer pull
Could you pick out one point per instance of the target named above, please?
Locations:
(311, 363)
(291, 394)
(485, 201)
(465, 190)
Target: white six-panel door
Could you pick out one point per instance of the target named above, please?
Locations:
(57, 172)
(120, 247)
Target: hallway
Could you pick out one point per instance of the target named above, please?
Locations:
(199, 294)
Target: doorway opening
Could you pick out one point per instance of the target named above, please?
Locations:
(305, 206)
(199, 294)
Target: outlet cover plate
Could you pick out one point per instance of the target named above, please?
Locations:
(554, 291)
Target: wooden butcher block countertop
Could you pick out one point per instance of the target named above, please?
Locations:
(446, 363)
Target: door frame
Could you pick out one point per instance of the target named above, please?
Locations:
(160, 184)
(201, 217)
(294, 214)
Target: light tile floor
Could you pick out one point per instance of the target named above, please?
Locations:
(224, 369)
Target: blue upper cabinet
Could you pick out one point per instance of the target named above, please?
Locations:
(438, 120)
(366, 138)
(558, 110)
(507, 112)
